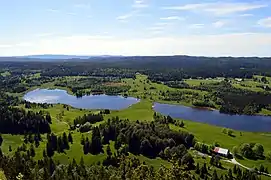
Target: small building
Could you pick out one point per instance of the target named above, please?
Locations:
(222, 151)
(238, 79)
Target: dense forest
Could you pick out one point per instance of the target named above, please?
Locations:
(14, 120)
(18, 121)
(157, 68)
(97, 86)
(150, 139)
(22, 166)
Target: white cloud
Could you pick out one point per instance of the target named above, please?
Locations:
(158, 28)
(219, 8)
(126, 16)
(137, 7)
(24, 44)
(134, 13)
(44, 34)
(53, 10)
(82, 6)
(219, 24)
(186, 7)
(140, 4)
(161, 24)
(155, 28)
(242, 44)
(5, 46)
(87, 37)
(196, 26)
(156, 32)
(266, 22)
(71, 13)
(246, 15)
(172, 18)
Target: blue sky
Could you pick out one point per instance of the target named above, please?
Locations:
(136, 27)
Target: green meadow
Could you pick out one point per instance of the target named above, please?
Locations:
(141, 111)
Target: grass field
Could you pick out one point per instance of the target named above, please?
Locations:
(2, 176)
(6, 73)
(140, 111)
(142, 88)
(197, 82)
(248, 84)
(11, 140)
(265, 112)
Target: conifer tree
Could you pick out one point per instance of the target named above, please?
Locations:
(82, 140)
(108, 151)
(48, 118)
(49, 150)
(65, 141)
(234, 169)
(37, 143)
(32, 151)
(1, 140)
(197, 171)
(215, 177)
(230, 176)
(70, 138)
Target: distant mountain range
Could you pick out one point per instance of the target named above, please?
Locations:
(124, 59)
(60, 56)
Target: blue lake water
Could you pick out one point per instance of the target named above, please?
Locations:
(56, 96)
(237, 122)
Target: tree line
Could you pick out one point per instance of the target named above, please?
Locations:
(57, 143)
(91, 118)
(229, 99)
(18, 121)
(22, 166)
(149, 139)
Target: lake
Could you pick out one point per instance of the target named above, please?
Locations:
(55, 96)
(237, 122)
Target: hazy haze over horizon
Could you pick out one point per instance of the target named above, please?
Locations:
(136, 27)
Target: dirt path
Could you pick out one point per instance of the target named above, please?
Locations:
(233, 161)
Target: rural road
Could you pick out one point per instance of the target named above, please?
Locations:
(233, 161)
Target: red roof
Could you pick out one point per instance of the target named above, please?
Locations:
(221, 150)
(216, 149)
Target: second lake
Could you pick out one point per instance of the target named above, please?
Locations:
(236, 122)
(56, 96)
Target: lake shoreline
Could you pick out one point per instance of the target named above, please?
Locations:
(90, 102)
(45, 86)
(248, 123)
(205, 108)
